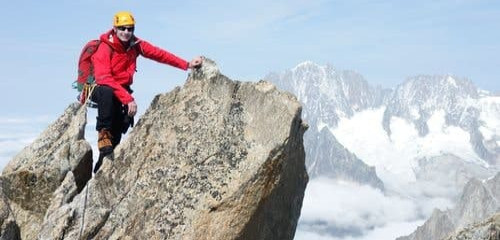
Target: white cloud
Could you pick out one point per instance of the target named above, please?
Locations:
(307, 235)
(334, 209)
(230, 20)
(17, 133)
(10, 147)
(389, 231)
(25, 120)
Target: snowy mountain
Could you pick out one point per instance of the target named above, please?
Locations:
(425, 117)
(420, 142)
(419, 97)
(327, 94)
(327, 97)
(460, 102)
(333, 160)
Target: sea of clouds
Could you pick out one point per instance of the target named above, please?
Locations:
(334, 210)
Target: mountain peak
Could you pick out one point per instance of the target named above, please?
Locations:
(306, 64)
(419, 97)
(451, 81)
(209, 160)
(437, 85)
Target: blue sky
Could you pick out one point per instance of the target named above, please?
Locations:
(385, 41)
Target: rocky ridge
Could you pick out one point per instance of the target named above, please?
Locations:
(215, 159)
(486, 230)
(479, 201)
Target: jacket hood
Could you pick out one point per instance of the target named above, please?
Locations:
(112, 40)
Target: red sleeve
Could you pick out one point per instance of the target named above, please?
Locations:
(102, 71)
(160, 55)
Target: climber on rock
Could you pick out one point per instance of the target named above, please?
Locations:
(114, 65)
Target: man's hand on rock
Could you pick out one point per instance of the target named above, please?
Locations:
(196, 62)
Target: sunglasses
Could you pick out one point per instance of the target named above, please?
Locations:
(130, 29)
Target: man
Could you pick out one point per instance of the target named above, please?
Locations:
(114, 66)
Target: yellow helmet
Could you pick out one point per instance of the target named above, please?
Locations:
(123, 19)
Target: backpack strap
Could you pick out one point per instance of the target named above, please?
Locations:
(111, 50)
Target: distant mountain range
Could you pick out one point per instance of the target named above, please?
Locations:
(435, 132)
(329, 95)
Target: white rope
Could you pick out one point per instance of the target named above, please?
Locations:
(90, 89)
(84, 209)
(86, 187)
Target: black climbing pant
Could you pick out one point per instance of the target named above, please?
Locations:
(111, 115)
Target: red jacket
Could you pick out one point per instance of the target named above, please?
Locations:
(114, 66)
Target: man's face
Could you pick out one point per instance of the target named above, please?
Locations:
(124, 33)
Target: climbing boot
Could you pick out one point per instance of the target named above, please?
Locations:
(104, 142)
